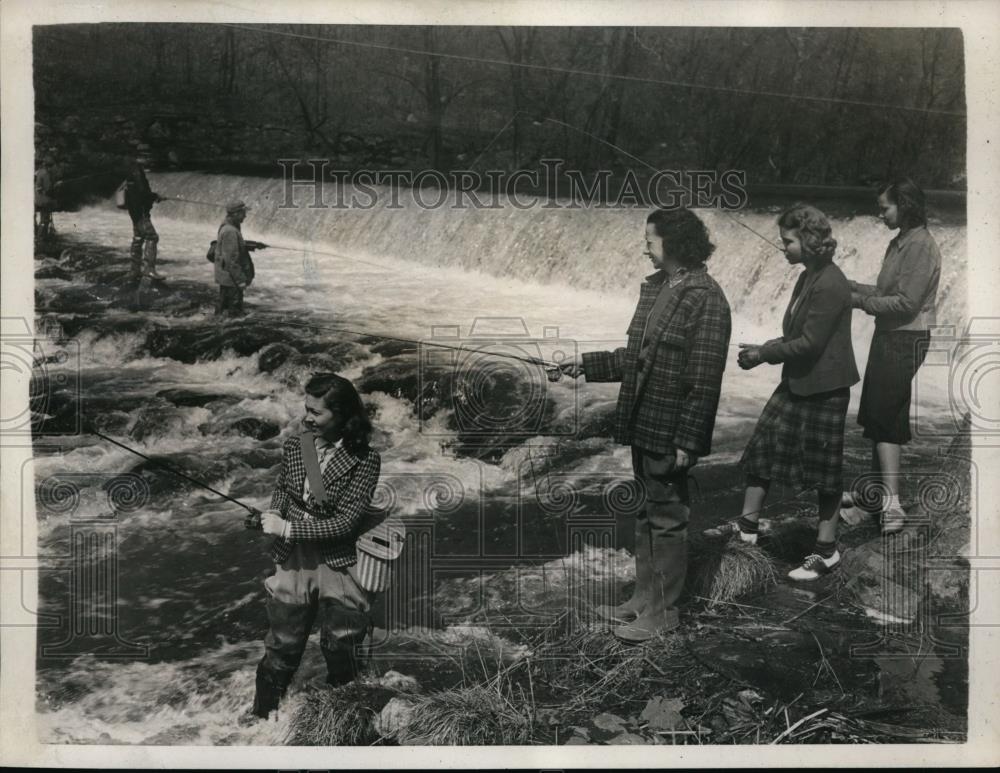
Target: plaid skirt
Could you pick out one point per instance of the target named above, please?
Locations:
(893, 360)
(799, 440)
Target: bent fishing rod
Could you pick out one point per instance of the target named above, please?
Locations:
(252, 520)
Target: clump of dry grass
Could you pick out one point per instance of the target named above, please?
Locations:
(470, 716)
(596, 670)
(724, 571)
(342, 716)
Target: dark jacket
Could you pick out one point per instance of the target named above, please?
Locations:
(233, 266)
(349, 482)
(671, 400)
(816, 343)
(139, 198)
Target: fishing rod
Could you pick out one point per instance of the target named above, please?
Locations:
(214, 204)
(252, 520)
(653, 169)
(279, 246)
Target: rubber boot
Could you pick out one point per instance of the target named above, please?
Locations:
(285, 642)
(342, 665)
(342, 629)
(149, 258)
(669, 568)
(629, 610)
(135, 260)
(271, 688)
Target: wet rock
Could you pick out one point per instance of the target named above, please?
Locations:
(102, 327)
(274, 356)
(194, 398)
(112, 423)
(400, 682)
(155, 422)
(921, 571)
(189, 344)
(598, 421)
(398, 377)
(57, 412)
(162, 482)
(394, 718)
(53, 272)
(259, 429)
(73, 299)
(388, 347)
(262, 458)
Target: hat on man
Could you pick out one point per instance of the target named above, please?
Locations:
(235, 206)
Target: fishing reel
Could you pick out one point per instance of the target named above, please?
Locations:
(252, 520)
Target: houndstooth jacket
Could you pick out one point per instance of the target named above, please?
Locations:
(670, 400)
(349, 481)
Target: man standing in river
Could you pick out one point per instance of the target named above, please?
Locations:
(671, 375)
(139, 200)
(233, 267)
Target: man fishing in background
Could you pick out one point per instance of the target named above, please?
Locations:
(671, 376)
(234, 270)
(327, 479)
(46, 188)
(139, 200)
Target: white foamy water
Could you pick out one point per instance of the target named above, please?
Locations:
(525, 274)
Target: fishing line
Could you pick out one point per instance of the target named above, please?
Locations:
(418, 344)
(654, 169)
(602, 75)
(214, 204)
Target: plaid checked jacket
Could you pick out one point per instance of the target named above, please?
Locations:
(671, 399)
(349, 481)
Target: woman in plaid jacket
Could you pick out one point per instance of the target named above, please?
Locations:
(314, 552)
(671, 376)
(799, 438)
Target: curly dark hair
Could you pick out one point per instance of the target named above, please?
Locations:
(815, 233)
(685, 237)
(909, 201)
(340, 396)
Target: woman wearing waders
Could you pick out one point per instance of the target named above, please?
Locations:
(799, 437)
(328, 475)
(903, 303)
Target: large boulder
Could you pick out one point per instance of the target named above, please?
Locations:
(258, 429)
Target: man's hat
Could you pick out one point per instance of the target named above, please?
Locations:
(235, 206)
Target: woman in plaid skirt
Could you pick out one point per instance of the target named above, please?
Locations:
(799, 438)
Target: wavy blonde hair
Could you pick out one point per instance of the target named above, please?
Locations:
(815, 233)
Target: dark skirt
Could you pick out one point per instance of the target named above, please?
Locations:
(799, 441)
(893, 360)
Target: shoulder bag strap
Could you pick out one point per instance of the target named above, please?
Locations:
(311, 462)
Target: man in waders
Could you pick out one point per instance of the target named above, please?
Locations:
(139, 200)
(233, 267)
(327, 478)
(671, 376)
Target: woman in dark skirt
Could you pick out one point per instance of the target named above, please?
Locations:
(799, 438)
(902, 301)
